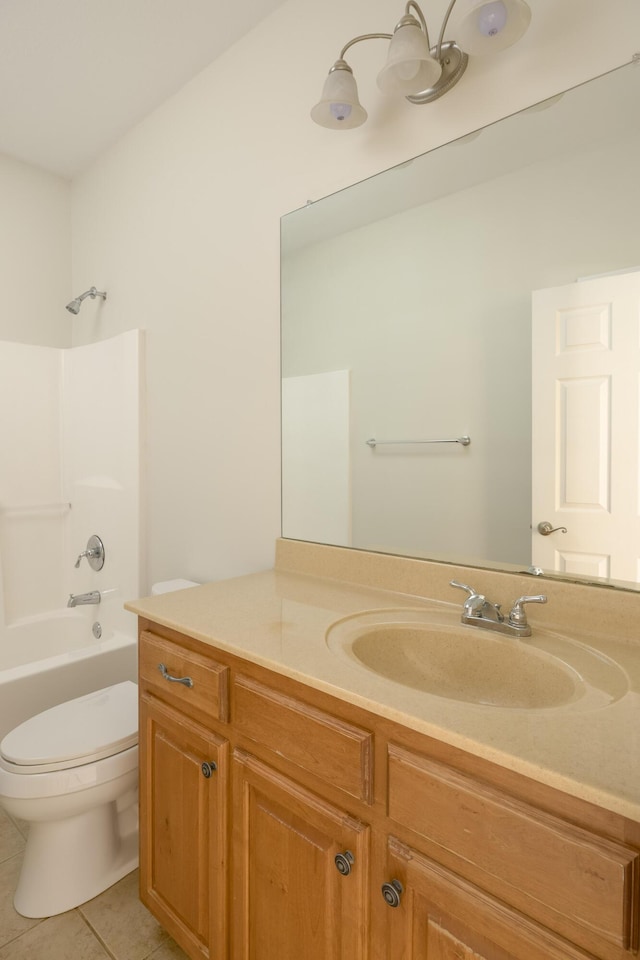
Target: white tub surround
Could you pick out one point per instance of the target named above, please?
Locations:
(72, 421)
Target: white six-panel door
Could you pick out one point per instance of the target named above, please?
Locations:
(586, 427)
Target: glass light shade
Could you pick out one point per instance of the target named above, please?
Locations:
(339, 107)
(492, 25)
(410, 68)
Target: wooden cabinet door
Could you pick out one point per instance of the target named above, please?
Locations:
(183, 828)
(440, 916)
(292, 902)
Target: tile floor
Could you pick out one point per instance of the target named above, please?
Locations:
(113, 926)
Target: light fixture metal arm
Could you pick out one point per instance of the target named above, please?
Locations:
(364, 36)
(412, 5)
(443, 28)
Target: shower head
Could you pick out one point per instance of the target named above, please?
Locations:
(74, 306)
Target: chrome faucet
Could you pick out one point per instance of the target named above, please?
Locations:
(81, 599)
(477, 611)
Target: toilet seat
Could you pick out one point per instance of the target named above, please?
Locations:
(60, 783)
(79, 732)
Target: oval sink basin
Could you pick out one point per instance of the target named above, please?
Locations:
(431, 651)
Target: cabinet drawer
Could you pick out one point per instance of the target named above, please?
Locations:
(207, 698)
(338, 752)
(578, 884)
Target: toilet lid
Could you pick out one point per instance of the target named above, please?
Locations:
(79, 731)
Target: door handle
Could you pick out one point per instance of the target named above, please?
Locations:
(545, 528)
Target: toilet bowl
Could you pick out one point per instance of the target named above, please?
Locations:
(71, 772)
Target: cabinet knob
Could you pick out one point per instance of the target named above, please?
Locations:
(391, 892)
(343, 862)
(208, 768)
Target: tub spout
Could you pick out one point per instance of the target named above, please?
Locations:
(80, 599)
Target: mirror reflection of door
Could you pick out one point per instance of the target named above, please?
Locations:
(586, 427)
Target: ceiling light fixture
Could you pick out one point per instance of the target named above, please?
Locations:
(415, 69)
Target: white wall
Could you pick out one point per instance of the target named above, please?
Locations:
(35, 255)
(180, 223)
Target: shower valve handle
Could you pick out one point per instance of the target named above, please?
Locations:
(94, 553)
(85, 553)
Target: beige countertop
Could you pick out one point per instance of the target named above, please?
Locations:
(279, 619)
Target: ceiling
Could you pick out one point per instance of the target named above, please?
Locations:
(75, 75)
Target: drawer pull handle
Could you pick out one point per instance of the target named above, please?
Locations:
(187, 681)
(391, 892)
(343, 862)
(208, 768)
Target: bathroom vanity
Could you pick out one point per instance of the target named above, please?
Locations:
(295, 803)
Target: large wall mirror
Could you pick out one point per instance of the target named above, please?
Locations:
(461, 348)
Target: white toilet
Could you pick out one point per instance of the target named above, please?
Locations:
(72, 773)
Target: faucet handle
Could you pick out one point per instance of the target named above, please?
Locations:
(463, 586)
(475, 602)
(518, 617)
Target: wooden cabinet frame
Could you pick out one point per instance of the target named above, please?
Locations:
(288, 887)
(303, 764)
(183, 828)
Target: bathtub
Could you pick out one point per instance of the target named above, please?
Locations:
(46, 660)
